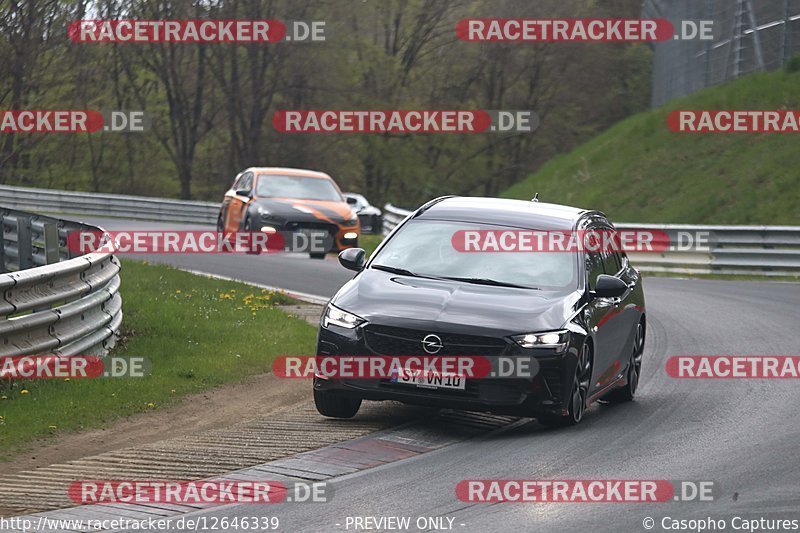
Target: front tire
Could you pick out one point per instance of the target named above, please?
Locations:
(316, 255)
(336, 406)
(579, 394)
(248, 227)
(628, 392)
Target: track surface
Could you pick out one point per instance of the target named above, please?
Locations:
(740, 434)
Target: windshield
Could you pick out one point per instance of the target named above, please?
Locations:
(305, 187)
(425, 248)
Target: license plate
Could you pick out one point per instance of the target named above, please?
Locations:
(315, 234)
(317, 240)
(429, 380)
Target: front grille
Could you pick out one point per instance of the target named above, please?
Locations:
(319, 226)
(387, 340)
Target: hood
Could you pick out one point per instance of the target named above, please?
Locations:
(440, 305)
(299, 209)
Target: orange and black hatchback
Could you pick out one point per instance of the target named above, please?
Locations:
(271, 199)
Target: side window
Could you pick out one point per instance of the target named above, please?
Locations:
(246, 182)
(622, 259)
(237, 181)
(594, 267)
(611, 262)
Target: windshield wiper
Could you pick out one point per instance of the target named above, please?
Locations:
(396, 270)
(477, 281)
(493, 282)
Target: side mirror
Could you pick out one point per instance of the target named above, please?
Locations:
(243, 192)
(352, 201)
(353, 259)
(609, 287)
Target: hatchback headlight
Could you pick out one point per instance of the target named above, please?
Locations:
(338, 317)
(352, 221)
(548, 339)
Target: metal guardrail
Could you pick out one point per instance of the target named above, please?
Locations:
(51, 301)
(114, 205)
(730, 250)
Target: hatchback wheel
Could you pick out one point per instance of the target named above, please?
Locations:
(579, 394)
(336, 406)
(248, 227)
(628, 392)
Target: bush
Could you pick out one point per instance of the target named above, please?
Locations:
(793, 65)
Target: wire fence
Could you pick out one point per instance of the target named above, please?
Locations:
(749, 36)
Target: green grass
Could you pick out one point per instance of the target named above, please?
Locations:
(639, 171)
(369, 243)
(197, 332)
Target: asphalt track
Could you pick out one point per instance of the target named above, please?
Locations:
(740, 434)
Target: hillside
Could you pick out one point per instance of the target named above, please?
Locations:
(639, 171)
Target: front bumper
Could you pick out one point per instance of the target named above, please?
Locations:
(545, 390)
(339, 236)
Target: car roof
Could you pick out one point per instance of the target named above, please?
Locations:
(505, 212)
(289, 172)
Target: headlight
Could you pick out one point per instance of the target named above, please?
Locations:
(548, 339)
(343, 319)
(352, 221)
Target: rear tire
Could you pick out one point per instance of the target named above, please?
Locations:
(336, 406)
(628, 392)
(316, 255)
(578, 394)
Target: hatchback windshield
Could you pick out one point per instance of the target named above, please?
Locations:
(425, 248)
(277, 186)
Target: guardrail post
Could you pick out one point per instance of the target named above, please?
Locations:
(24, 245)
(3, 268)
(51, 245)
